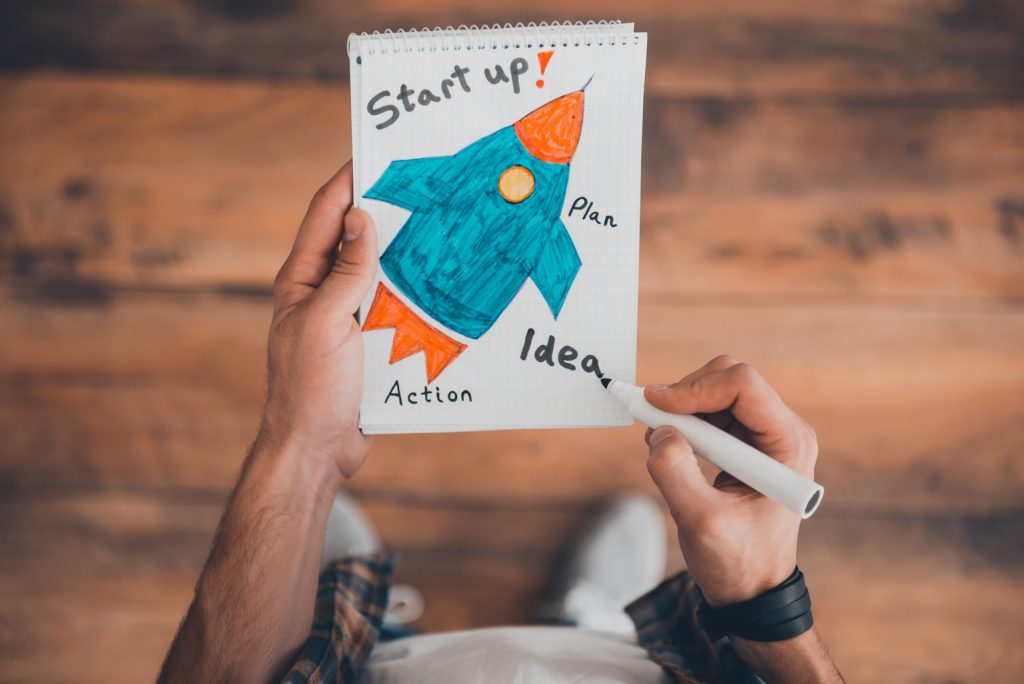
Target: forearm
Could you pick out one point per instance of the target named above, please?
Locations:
(794, 661)
(254, 602)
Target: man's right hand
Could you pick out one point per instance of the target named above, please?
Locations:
(737, 543)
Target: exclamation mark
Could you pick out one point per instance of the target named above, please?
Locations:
(543, 58)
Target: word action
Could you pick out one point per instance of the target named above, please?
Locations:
(428, 395)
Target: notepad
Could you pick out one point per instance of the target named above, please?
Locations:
(502, 168)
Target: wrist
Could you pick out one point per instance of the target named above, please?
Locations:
(803, 658)
(722, 593)
(289, 462)
(778, 614)
(332, 449)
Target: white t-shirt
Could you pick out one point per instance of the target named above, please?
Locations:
(530, 655)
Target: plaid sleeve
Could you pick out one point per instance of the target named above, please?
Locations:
(666, 625)
(350, 604)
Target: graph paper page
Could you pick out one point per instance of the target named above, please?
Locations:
(502, 169)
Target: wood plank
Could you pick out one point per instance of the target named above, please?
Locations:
(832, 192)
(927, 586)
(952, 584)
(161, 391)
(705, 47)
(83, 578)
(160, 184)
(200, 185)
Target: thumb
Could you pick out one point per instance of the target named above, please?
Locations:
(674, 469)
(355, 266)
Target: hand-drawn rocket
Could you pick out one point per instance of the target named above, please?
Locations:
(483, 221)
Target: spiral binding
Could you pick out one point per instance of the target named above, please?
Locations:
(493, 37)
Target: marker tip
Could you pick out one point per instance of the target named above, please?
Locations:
(606, 382)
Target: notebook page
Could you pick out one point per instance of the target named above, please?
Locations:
(483, 241)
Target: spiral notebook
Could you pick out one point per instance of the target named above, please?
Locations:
(502, 167)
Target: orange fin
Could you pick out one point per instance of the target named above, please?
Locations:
(412, 333)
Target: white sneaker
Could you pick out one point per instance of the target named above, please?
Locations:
(621, 557)
(349, 532)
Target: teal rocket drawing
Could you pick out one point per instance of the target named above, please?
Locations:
(486, 219)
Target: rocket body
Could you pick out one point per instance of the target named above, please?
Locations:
(484, 221)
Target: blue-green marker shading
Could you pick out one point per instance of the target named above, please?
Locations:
(465, 252)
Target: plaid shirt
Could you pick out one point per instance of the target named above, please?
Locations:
(353, 595)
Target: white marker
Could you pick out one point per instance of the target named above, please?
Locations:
(754, 468)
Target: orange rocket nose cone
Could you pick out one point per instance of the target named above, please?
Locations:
(552, 131)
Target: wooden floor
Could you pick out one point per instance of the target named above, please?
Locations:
(833, 191)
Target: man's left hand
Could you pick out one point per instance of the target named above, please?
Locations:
(315, 351)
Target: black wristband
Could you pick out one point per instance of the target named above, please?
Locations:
(782, 612)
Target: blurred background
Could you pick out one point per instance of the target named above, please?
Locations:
(833, 192)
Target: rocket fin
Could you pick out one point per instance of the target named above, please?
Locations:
(412, 333)
(557, 267)
(410, 183)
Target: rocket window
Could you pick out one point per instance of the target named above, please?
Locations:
(516, 184)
